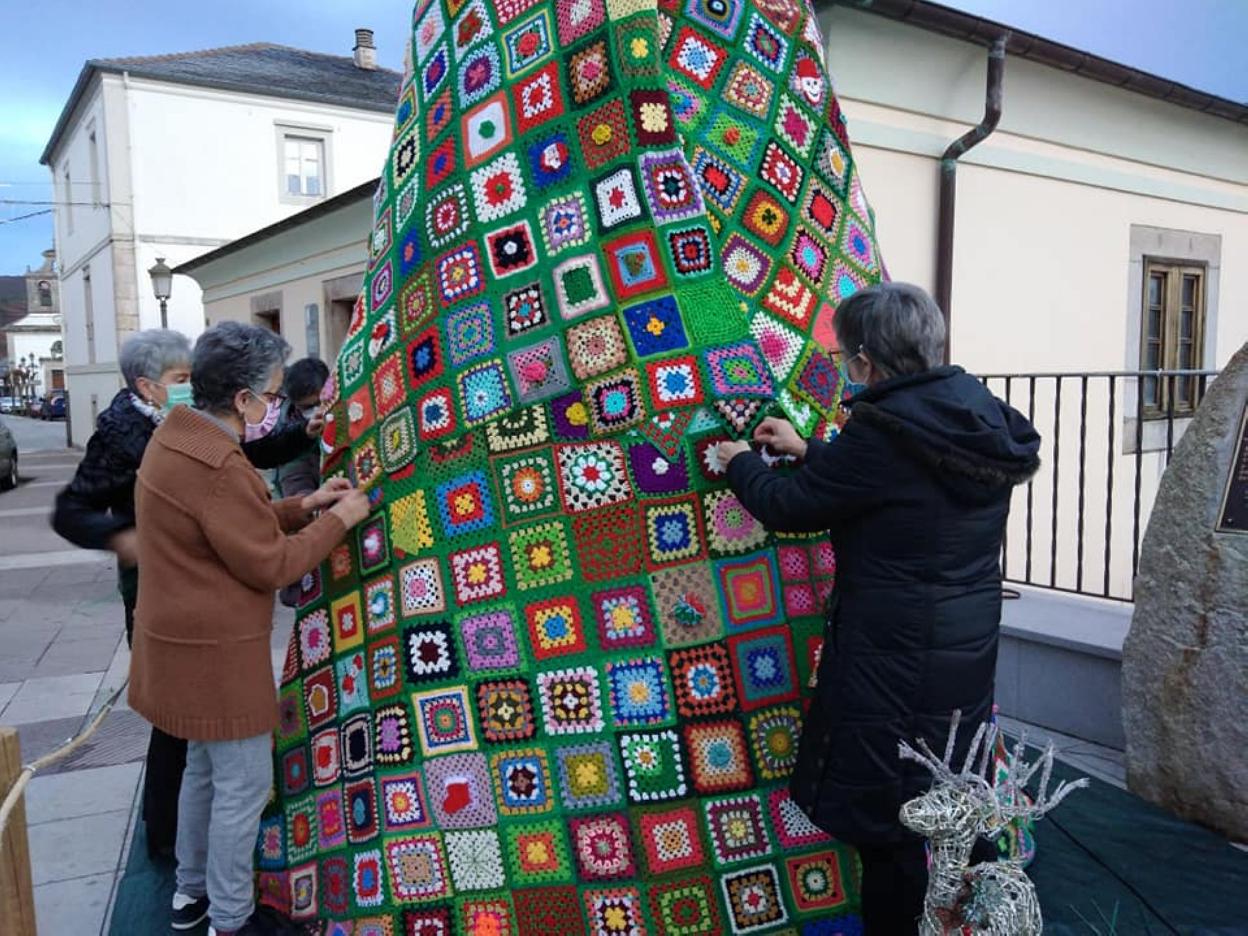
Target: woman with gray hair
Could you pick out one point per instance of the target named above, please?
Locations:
(96, 511)
(914, 494)
(215, 548)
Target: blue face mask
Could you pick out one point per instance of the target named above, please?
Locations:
(850, 386)
(178, 394)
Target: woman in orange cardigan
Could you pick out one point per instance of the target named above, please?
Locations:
(214, 549)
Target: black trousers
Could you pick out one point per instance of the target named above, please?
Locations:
(894, 882)
(162, 779)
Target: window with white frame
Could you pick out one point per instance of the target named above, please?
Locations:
(303, 161)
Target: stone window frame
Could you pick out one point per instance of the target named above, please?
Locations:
(1170, 245)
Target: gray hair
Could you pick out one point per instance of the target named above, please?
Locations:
(150, 353)
(897, 325)
(230, 357)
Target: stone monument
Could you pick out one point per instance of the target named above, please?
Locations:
(1185, 661)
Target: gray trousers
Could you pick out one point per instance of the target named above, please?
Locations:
(224, 790)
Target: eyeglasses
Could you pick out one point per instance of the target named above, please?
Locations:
(265, 396)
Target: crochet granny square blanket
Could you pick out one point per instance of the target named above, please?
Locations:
(554, 684)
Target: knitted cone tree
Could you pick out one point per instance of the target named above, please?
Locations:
(554, 684)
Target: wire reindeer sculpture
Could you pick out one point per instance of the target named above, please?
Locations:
(994, 898)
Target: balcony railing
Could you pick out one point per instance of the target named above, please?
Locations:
(1077, 525)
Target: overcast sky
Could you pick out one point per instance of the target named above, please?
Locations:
(1203, 47)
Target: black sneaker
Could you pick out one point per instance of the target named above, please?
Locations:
(188, 912)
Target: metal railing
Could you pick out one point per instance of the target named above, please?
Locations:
(1077, 525)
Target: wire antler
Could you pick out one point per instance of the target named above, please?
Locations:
(1018, 774)
(978, 755)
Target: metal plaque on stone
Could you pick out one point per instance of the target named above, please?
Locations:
(1233, 517)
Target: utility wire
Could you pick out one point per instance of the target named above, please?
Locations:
(33, 214)
(74, 204)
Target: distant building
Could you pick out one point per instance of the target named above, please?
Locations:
(32, 334)
(301, 275)
(173, 155)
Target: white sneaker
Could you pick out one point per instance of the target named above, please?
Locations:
(188, 912)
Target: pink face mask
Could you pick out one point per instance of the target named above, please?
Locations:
(272, 411)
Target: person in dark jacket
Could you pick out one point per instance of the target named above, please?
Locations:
(96, 511)
(302, 387)
(914, 493)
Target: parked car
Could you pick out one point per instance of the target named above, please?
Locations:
(32, 408)
(53, 406)
(8, 458)
(10, 404)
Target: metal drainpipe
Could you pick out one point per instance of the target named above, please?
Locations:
(949, 181)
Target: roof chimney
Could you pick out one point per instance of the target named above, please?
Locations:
(365, 51)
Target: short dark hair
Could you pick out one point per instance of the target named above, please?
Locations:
(305, 378)
(230, 357)
(898, 325)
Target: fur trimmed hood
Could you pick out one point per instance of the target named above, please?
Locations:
(945, 419)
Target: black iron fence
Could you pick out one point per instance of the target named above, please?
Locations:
(1107, 438)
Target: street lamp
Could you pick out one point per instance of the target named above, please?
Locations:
(162, 286)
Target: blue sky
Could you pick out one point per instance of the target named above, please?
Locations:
(1203, 48)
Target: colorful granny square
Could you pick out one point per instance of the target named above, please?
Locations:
(673, 532)
(793, 828)
(528, 486)
(522, 782)
(774, 735)
(326, 758)
(417, 867)
(489, 640)
(505, 708)
(624, 617)
(754, 899)
(671, 840)
(591, 475)
(617, 910)
(634, 264)
(486, 129)
(749, 590)
(654, 473)
(603, 134)
(764, 666)
(537, 853)
(571, 701)
(703, 681)
(465, 504)
(690, 250)
(815, 881)
(348, 619)
(444, 720)
(638, 691)
(588, 776)
(404, 803)
(579, 287)
(460, 792)
(539, 555)
(470, 333)
(477, 574)
(476, 860)
(595, 346)
(555, 628)
(603, 847)
(511, 249)
(550, 159)
(730, 528)
(653, 765)
(608, 543)
(718, 759)
(498, 188)
(528, 43)
(655, 327)
(686, 907)
(686, 604)
(429, 652)
(616, 199)
(736, 828)
(421, 589)
(564, 222)
(484, 392)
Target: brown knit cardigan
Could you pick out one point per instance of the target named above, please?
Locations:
(213, 549)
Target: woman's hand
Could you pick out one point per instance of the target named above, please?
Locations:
(329, 494)
(126, 545)
(781, 436)
(351, 508)
(315, 425)
(727, 451)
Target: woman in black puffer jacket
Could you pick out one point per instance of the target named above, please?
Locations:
(914, 493)
(96, 511)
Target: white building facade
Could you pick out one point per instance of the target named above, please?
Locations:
(1097, 229)
(172, 156)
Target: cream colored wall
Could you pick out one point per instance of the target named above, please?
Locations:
(1042, 256)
